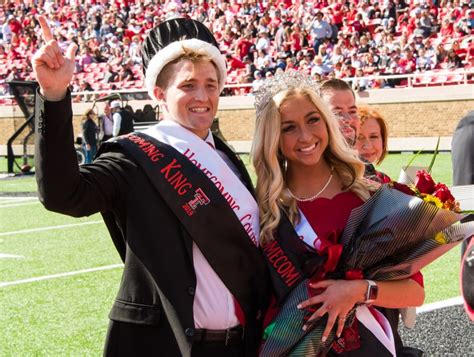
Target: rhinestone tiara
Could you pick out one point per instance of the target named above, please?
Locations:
(280, 82)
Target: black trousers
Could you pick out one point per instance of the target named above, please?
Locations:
(211, 349)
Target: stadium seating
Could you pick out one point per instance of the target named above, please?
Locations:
(288, 25)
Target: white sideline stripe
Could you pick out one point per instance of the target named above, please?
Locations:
(48, 228)
(56, 276)
(19, 204)
(16, 198)
(440, 304)
(4, 255)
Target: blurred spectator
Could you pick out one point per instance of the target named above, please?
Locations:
(122, 118)
(89, 135)
(360, 84)
(423, 62)
(126, 72)
(244, 46)
(263, 42)
(110, 75)
(106, 124)
(319, 30)
(258, 80)
(441, 54)
(407, 62)
(233, 63)
(319, 67)
(453, 60)
(446, 28)
(290, 33)
(84, 59)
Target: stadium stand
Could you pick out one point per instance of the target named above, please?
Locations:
(323, 37)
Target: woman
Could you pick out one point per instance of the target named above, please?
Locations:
(307, 173)
(372, 140)
(453, 60)
(89, 135)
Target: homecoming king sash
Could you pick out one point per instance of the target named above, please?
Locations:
(213, 206)
(211, 164)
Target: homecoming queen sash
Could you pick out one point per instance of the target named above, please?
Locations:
(379, 326)
(286, 336)
(211, 164)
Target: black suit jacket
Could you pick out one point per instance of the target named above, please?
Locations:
(153, 311)
(462, 157)
(462, 151)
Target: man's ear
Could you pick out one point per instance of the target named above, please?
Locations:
(159, 94)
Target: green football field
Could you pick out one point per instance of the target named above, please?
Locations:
(59, 275)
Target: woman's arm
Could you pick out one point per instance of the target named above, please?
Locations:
(340, 296)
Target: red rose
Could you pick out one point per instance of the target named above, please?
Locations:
(403, 188)
(443, 193)
(424, 182)
(382, 178)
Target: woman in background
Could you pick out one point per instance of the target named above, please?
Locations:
(89, 135)
(372, 140)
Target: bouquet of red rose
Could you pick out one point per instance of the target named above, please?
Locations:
(391, 236)
(429, 191)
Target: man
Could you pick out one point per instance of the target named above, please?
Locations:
(462, 156)
(320, 30)
(106, 124)
(122, 119)
(177, 202)
(341, 101)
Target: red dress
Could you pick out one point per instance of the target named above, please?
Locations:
(326, 215)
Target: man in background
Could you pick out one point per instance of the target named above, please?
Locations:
(123, 119)
(342, 102)
(106, 124)
(462, 156)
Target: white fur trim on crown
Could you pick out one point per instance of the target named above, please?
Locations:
(173, 51)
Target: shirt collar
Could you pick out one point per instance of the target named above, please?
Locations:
(210, 139)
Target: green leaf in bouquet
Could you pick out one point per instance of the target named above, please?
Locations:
(413, 158)
(434, 156)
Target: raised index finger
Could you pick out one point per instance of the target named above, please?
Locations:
(47, 34)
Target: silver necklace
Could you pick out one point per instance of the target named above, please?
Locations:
(312, 198)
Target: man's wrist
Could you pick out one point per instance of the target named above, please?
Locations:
(53, 96)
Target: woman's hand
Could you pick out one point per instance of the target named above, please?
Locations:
(52, 69)
(338, 298)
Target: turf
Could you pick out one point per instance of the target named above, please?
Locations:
(62, 317)
(18, 184)
(442, 169)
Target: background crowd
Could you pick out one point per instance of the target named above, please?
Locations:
(325, 38)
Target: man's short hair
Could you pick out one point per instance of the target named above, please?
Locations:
(334, 84)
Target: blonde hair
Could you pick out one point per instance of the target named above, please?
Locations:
(166, 73)
(270, 164)
(366, 113)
